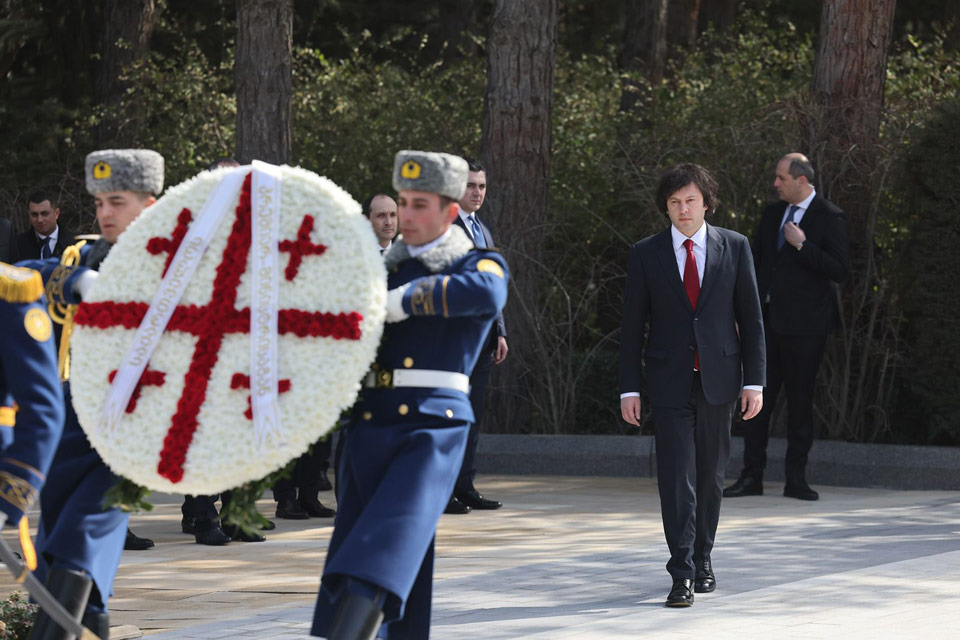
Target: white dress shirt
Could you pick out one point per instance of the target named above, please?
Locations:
(467, 219)
(53, 236)
(801, 209)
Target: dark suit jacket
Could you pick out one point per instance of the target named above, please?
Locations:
(28, 245)
(7, 253)
(726, 328)
(802, 298)
(499, 326)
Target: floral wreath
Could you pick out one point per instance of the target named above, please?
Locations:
(188, 426)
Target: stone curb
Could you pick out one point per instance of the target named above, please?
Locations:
(831, 463)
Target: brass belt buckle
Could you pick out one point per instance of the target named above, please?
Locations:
(383, 379)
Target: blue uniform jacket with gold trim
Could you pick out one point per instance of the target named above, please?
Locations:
(31, 399)
(59, 279)
(453, 297)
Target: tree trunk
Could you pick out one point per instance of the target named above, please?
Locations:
(682, 23)
(848, 83)
(515, 148)
(127, 27)
(264, 77)
(644, 47)
(721, 14)
(844, 127)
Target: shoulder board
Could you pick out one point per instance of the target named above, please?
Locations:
(19, 285)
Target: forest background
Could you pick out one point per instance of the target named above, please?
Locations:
(575, 108)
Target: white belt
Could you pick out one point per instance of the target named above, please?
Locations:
(429, 378)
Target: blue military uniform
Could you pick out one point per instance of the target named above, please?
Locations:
(405, 445)
(31, 401)
(79, 540)
(76, 532)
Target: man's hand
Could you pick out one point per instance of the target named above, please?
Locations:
(750, 403)
(395, 312)
(501, 353)
(793, 234)
(84, 281)
(630, 410)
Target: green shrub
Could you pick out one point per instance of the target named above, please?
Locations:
(16, 617)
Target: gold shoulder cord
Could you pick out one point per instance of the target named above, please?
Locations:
(63, 314)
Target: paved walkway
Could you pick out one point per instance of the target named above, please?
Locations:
(583, 558)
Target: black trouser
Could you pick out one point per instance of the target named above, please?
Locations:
(693, 446)
(306, 475)
(203, 508)
(792, 362)
(478, 387)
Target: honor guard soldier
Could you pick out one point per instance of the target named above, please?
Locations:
(80, 541)
(31, 400)
(408, 430)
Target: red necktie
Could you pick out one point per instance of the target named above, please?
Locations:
(691, 282)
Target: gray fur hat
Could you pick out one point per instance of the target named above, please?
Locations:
(124, 170)
(431, 172)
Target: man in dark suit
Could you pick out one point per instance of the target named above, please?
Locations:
(465, 496)
(46, 238)
(6, 242)
(695, 285)
(800, 250)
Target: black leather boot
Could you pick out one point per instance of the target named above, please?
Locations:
(357, 618)
(99, 623)
(71, 589)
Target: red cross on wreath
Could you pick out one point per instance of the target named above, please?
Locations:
(300, 247)
(213, 321)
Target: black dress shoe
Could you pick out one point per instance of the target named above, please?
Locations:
(474, 500)
(315, 508)
(188, 525)
(706, 581)
(456, 507)
(800, 491)
(238, 534)
(270, 526)
(136, 543)
(290, 509)
(681, 595)
(323, 482)
(210, 533)
(744, 486)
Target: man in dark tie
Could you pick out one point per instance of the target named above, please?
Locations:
(46, 237)
(381, 210)
(800, 250)
(695, 286)
(465, 496)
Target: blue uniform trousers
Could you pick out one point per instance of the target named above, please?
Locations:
(396, 481)
(75, 530)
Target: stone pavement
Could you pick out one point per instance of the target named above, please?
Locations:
(572, 557)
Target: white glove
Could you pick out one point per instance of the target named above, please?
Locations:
(395, 312)
(84, 281)
(3, 520)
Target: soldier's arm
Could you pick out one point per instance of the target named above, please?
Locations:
(479, 290)
(29, 366)
(63, 284)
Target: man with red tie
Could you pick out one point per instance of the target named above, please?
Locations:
(694, 284)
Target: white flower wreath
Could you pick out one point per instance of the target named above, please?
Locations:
(331, 310)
